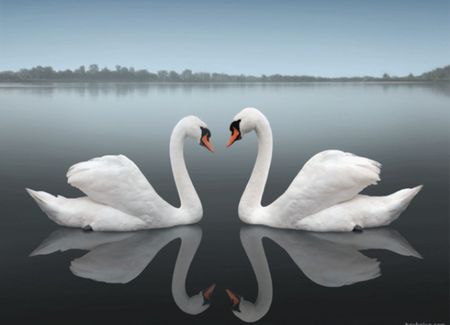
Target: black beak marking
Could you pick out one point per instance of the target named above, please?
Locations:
(235, 125)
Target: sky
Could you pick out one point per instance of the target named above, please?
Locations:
(317, 37)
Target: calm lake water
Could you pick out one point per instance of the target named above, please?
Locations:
(284, 277)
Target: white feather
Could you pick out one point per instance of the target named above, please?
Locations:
(324, 195)
(119, 197)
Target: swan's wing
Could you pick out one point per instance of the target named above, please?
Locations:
(117, 182)
(121, 261)
(329, 177)
(332, 265)
(326, 263)
(65, 239)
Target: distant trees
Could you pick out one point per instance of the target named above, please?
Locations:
(173, 76)
(123, 74)
(186, 75)
(93, 68)
(437, 74)
(163, 76)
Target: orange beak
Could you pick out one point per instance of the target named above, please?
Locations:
(209, 291)
(233, 137)
(233, 297)
(207, 144)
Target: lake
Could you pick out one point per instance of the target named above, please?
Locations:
(392, 275)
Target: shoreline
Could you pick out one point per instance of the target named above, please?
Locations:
(91, 82)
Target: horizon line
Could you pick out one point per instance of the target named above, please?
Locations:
(261, 75)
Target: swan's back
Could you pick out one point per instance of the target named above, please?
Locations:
(328, 178)
(117, 182)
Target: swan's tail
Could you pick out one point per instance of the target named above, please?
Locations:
(399, 201)
(45, 200)
(82, 212)
(50, 204)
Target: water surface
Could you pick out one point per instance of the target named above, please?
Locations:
(372, 278)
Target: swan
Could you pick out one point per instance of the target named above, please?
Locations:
(323, 196)
(327, 259)
(119, 197)
(121, 256)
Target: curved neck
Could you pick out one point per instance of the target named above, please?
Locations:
(251, 239)
(251, 198)
(190, 240)
(186, 191)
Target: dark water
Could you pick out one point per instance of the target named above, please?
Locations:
(295, 277)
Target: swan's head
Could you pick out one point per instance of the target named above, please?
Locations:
(198, 303)
(198, 130)
(244, 122)
(243, 309)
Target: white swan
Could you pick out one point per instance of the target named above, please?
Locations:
(119, 197)
(329, 260)
(323, 196)
(121, 257)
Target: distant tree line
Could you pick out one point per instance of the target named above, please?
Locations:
(123, 74)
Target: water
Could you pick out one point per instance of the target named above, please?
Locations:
(296, 277)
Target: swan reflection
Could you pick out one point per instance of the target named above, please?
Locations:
(328, 259)
(121, 257)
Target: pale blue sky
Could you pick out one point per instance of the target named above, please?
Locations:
(321, 37)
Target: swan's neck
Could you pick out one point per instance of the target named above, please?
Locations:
(252, 242)
(190, 202)
(251, 198)
(190, 240)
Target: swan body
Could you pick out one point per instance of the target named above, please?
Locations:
(324, 196)
(327, 259)
(120, 198)
(121, 257)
